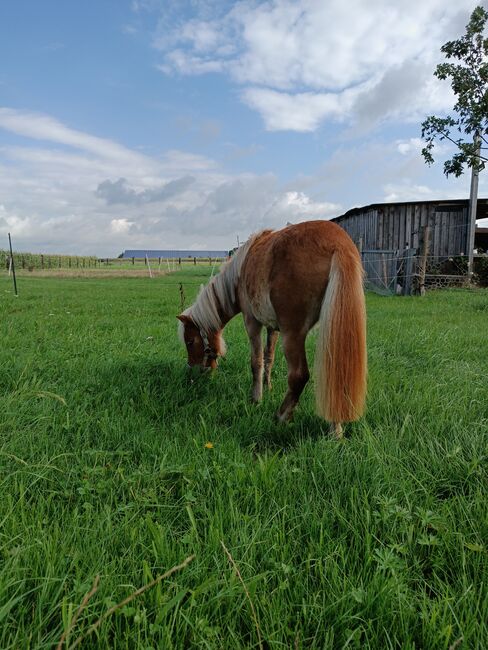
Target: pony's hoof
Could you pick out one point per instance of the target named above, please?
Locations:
(283, 418)
(336, 430)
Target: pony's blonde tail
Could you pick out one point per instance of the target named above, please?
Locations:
(340, 359)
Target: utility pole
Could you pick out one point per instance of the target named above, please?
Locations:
(473, 202)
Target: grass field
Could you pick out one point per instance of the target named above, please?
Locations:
(106, 468)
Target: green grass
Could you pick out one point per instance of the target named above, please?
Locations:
(376, 542)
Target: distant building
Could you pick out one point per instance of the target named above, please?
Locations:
(171, 254)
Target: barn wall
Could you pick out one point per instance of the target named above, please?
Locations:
(399, 226)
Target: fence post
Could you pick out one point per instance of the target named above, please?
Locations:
(423, 259)
(195, 261)
(182, 298)
(12, 259)
(384, 270)
(408, 273)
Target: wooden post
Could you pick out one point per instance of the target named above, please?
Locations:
(148, 266)
(132, 261)
(408, 272)
(42, 261)
(12, 264)
(195, 261)
(182, 298)
(423, 258)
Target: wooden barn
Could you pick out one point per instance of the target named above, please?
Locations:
(392, 236)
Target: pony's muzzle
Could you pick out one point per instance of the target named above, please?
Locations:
(196, 370)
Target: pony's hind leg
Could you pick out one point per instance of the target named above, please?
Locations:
(298, 374)
(269, 354)
(335, 429)
(253, 328)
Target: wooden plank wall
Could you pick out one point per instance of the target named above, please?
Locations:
(362, 225)
(399, 226)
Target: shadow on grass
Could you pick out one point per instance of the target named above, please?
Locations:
(305, 427)
(161, 380)
(220, 397)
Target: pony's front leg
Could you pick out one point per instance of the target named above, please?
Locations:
(253, 328)
(269, 354)
(298, 374)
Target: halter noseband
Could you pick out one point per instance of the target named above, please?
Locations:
(208, 353)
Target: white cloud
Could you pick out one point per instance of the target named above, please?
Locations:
(303, 61)
(304, 207)
(408, 191)
(10, 222)
(44, 127)
(62, 194)
(120, 226)
(406, 147)
(179, 61)
(299, 112)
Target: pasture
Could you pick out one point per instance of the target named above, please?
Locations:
(113, 464)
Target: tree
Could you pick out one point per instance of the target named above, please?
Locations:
(467, 128)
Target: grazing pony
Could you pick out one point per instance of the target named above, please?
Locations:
(287, 280)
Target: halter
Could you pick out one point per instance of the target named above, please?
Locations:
(208, 353)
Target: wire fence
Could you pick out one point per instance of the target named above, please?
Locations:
(408, 273)
(387, 272)
(46, 262)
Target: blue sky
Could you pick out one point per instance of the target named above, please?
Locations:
(143, 123)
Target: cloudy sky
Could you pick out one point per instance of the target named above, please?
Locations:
(149, 123)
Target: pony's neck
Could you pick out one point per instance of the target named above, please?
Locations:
(218, 301)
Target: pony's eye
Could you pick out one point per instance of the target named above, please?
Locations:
(189, 343)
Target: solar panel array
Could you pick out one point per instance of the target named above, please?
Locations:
(171, 254)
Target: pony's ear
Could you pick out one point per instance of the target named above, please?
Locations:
(184, 319)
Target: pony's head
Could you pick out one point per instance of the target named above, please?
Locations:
(203, 349)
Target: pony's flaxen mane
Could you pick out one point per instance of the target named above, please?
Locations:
(219, 294)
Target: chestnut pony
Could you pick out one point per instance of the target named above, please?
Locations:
(287, 281)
